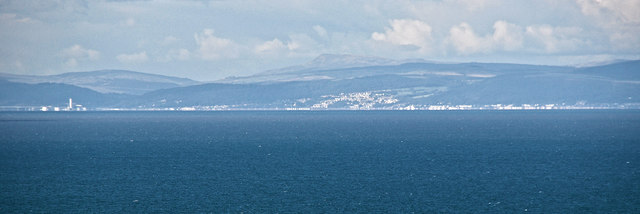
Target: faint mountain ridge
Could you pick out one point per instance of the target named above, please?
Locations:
(419, 85)
(620, 70)
(321, 62)
(327, 61)
(108, 81)
(601, 63)
(54, 94)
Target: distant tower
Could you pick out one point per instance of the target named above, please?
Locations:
(70, 104)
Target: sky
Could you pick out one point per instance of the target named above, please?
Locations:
(208, 40)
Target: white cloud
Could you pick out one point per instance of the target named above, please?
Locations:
(625, 40)
(507, 36)
(406, 32)
(298, 45)
(545, 35)
(557, 39)
(465, 41)
(133, 58)
(211, 47)
(77, 53)
(470, 5)
(272, 46)
(303, 45)
(178, 54)
(293, 45)
(302, 42)
(619, 18)
(384, 28)
(627, 11)
(511, 37)
(14, 18)
(320, 31)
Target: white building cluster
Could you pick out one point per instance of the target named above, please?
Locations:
(360, 100)
(69, 107)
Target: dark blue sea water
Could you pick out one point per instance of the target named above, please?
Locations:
(328, 161)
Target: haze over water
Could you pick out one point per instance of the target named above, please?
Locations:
(320, 161)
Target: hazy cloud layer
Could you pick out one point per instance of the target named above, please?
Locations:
(213, 39)
(133, 58)
(77, 53)
(406, 32)
(211, 47)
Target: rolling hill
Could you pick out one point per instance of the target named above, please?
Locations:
(343, 82)
(108, 81)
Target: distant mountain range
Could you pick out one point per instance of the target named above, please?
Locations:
(341, 82)
(322, 62)
(108, 81)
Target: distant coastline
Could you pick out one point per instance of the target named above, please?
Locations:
(337, 82)
(509, 107)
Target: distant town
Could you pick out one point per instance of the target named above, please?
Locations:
(337, 82)
(326, 106)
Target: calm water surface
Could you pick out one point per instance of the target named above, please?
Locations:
(335, 161)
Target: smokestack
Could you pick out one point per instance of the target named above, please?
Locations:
(70, 104)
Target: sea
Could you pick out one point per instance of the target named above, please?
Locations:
(553, 161)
